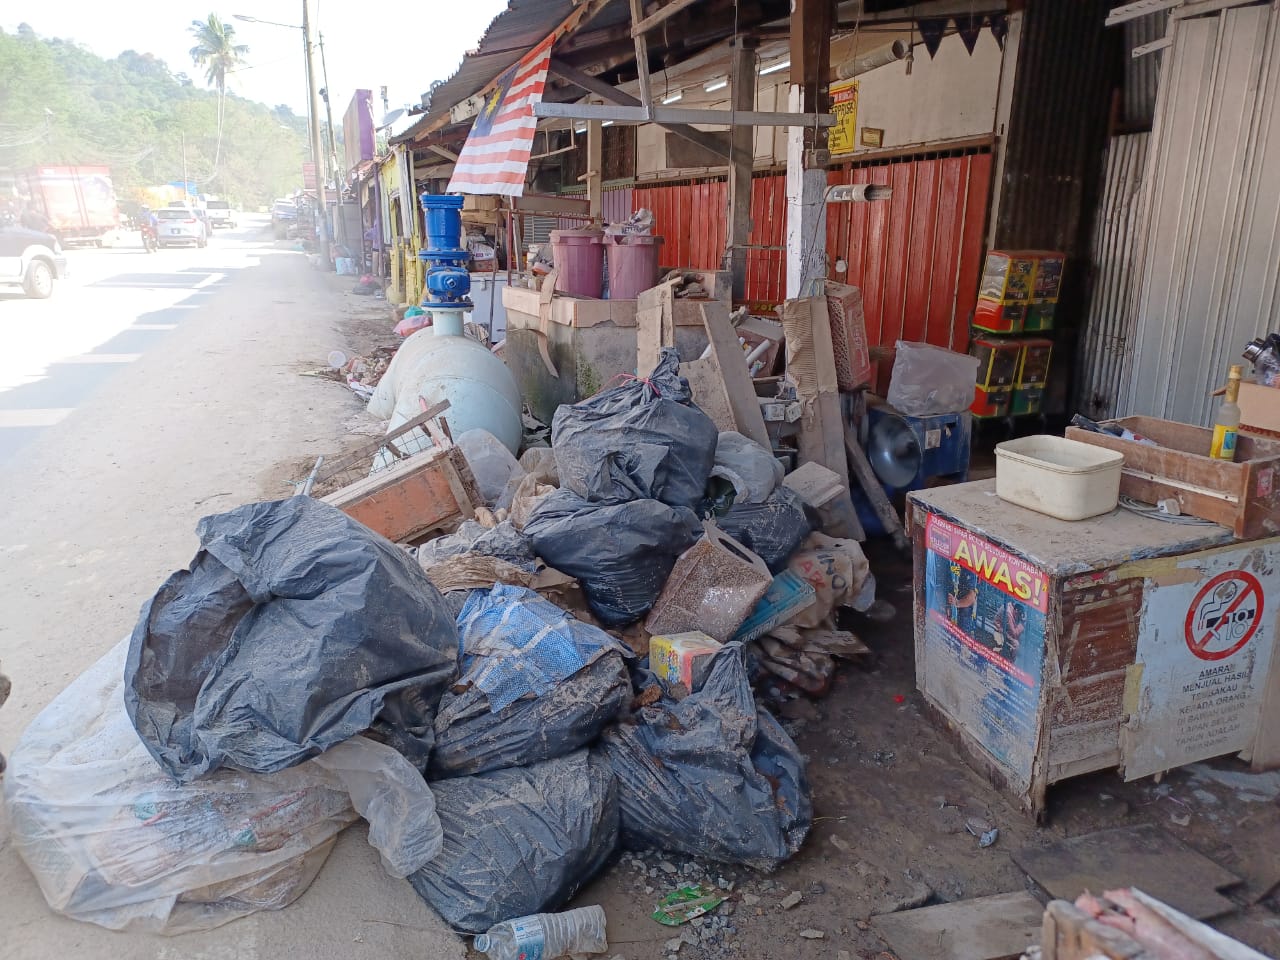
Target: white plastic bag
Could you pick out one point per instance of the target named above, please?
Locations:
(113, 841)
(491, 463)
(929, 380)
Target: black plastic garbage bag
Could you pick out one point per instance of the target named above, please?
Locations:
(294, 629)
(621, 553)
(536, 683)
(643, 439)
(519, 841)
(471, 739)
(773, 529)
(711, 775)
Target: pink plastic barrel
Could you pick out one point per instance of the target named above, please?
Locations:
(633, 265)
(579, 259)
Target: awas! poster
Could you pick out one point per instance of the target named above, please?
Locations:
(984, 641)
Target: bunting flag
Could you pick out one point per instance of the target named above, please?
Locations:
(495, 158)
(969, 27)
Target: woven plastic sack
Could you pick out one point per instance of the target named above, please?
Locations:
(113, 840)
(929, 380)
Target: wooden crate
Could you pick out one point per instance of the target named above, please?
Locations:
(432, 490)
(1243, 495)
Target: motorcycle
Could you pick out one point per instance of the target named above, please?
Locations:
(150, 242)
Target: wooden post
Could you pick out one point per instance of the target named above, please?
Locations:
(807, 155)
(742, 89)
(642, 56)
(595, 171)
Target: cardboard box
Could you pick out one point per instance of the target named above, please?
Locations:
(849, 335)
(682, 659)
(1260, 410)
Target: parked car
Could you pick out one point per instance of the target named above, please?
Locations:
(220, 213)
(180, 225)
(30, 259)
(284, 215)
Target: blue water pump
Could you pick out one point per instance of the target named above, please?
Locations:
(448, 282)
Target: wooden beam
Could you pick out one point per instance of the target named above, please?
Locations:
(666, 115)
(595, 172)
(717, 143)
(742, 89)
(643, 25)
(811, 25)
(443, 151)
(642, 57)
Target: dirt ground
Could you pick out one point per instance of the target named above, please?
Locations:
(891, 800)
(892, 797)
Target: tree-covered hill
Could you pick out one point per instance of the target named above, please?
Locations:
(61, 104)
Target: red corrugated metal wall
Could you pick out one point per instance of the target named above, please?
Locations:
(916, 257)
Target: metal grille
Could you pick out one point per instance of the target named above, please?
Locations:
(423, 432)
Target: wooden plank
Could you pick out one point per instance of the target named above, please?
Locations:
(742, 88)
(595, 166)
(1068, 933)
(642, 56)
(643, 25)
(866, 478)
(1145, 857)
(987, 928)
(739, 393)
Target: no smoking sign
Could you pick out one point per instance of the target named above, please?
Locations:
(1224, 615)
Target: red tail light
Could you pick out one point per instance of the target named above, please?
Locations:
(192, 220)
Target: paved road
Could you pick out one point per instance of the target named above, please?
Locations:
(148, 391)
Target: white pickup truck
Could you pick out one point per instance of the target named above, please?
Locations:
(220, 213)
(30, 259)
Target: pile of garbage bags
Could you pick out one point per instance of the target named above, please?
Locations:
(502, 733)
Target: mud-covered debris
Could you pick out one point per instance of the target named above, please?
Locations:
(792, 899)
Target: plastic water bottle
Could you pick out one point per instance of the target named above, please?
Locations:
(545, 936)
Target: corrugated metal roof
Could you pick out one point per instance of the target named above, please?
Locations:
(509, 36)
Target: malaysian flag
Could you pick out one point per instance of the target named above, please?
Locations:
(496, 155)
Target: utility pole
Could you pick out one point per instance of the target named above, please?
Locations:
(317, 149)
(327, 93)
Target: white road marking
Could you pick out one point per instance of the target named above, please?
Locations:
(101, 358)
(37, 417)
(209, 280)
(153, 326)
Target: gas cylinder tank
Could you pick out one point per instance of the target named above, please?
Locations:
(440, 363)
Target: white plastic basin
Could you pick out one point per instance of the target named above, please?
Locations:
(1058, 477)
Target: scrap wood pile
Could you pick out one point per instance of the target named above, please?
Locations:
(567, 673)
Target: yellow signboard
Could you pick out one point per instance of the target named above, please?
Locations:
(844, 105)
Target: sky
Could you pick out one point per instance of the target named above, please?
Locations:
(405, 48)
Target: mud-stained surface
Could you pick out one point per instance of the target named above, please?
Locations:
(895, 811)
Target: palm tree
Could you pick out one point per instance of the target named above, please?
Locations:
(217, 51)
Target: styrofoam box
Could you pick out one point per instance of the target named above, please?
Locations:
(1058, 477)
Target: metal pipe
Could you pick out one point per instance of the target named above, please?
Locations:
(896, 51)
(858, 192)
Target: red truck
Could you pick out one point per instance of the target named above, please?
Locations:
(80, 202)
